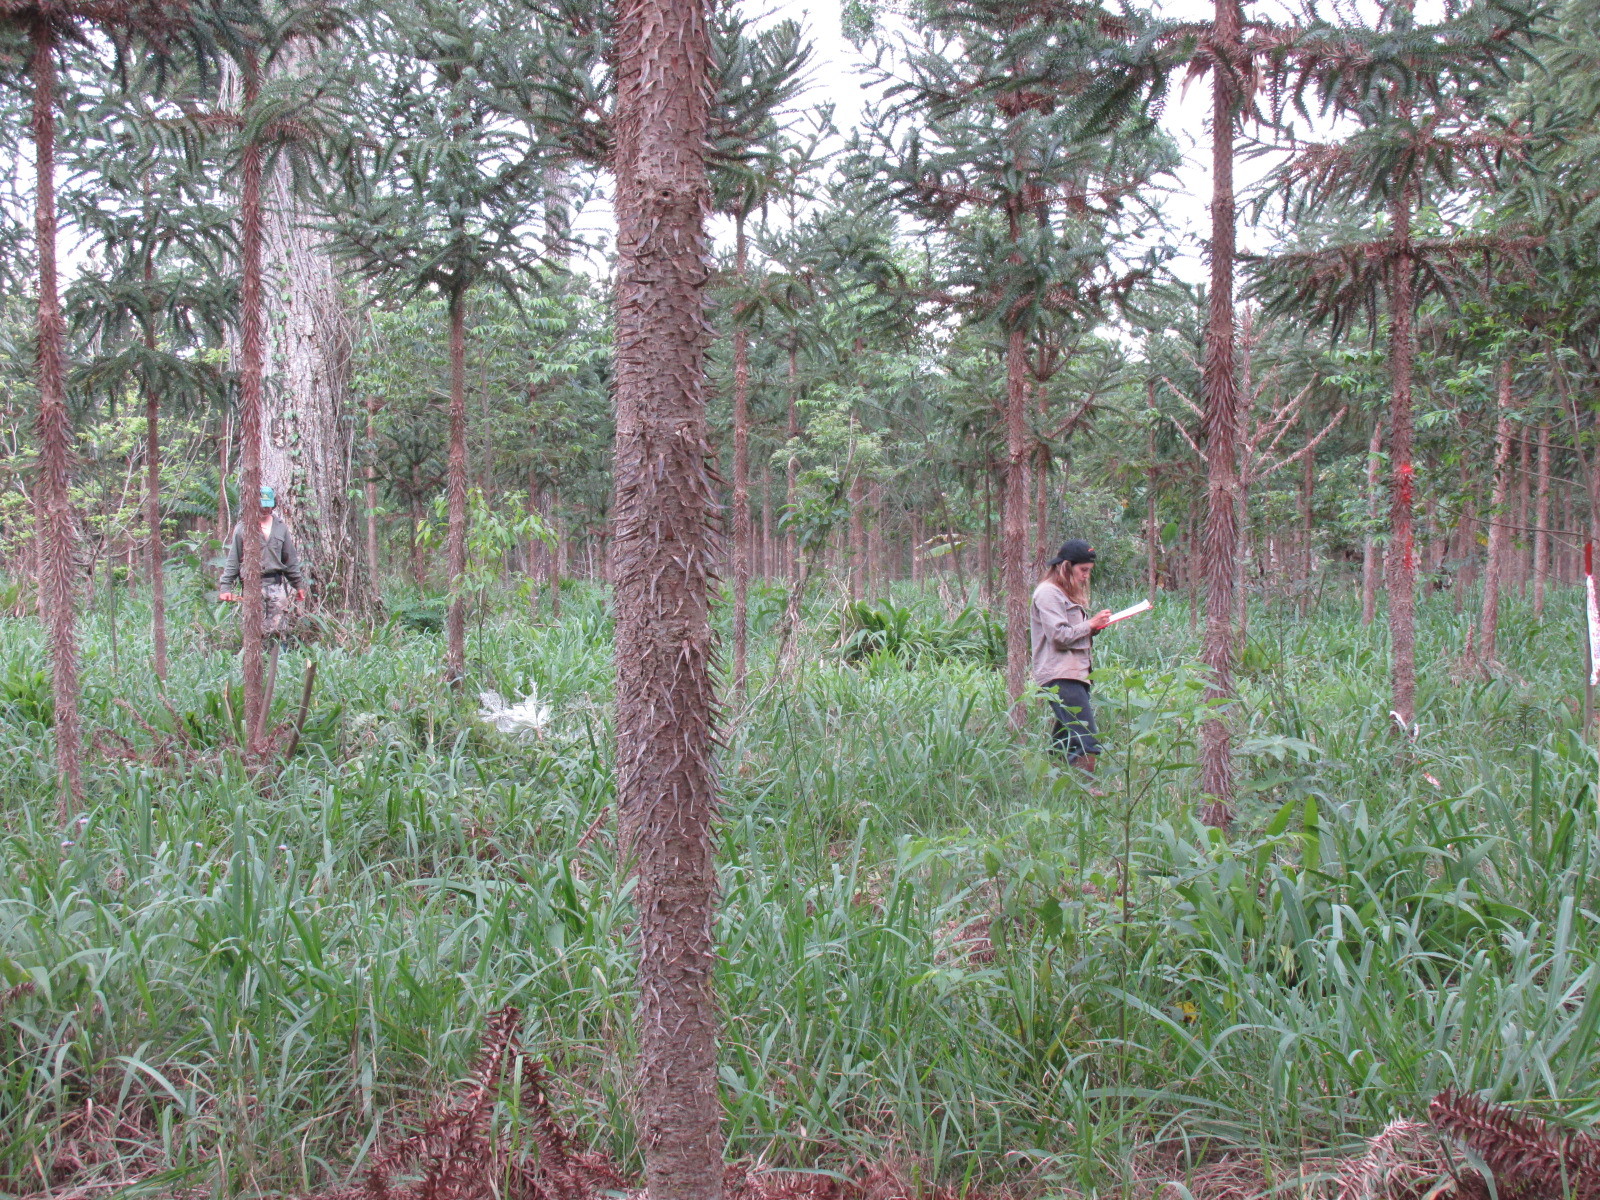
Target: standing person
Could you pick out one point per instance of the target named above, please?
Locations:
(280, 567)
(1061, 631)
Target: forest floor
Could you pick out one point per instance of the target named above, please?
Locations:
(941, 954)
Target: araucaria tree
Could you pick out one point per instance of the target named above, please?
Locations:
(664, 511)
(441, 181)
(1015, 134)
(1423, 95)
(48, 26)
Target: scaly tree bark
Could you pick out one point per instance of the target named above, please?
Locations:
(1541, 517)
(250, 386)
(664, 509)
(741, 469)
(1369, 543)
(1014, 554)
(156, 554)
(306, 448)
(371, 491)
(1400, 569)
(1220, 404)
(57, 525)
(455, 622)
(1497, 571)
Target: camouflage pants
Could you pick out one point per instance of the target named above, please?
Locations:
(277, 599)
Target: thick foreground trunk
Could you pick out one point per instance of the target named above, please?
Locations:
(58, 528)
(307, 447)
(1220, 397)
(665, 506)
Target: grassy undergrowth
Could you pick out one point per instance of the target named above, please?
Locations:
(933, 944)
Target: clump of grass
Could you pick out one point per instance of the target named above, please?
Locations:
(254, 979)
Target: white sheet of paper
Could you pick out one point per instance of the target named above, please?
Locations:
(1131, 611)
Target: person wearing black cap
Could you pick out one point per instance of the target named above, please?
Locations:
(1061, 630)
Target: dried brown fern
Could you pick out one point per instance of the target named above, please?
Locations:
(459, 1154)
(1531, 1159)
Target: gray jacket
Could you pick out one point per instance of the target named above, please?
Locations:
(279, 557)
(1059, 632)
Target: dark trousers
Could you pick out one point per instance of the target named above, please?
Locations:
(1074, 732)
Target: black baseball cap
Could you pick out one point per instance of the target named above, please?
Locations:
(1075, 551)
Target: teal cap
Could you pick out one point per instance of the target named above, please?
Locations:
(269, 498)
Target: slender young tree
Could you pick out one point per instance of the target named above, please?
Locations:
(49, 26)
(1003, 138)
(164, 290)
(1421, 93)
(441, 182)
(1496, 569)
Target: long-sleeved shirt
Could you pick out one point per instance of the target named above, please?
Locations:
(1060, 635)
(279, 556)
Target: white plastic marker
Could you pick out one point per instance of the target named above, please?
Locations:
(1144, 606)
(1594, 615)
(1594, 646)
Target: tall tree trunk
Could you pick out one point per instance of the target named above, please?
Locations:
(767, 571)
(372, 491)
(456, 497)
(224, 448)
(1014, 522)
(664, 537)
(1308, 490)
(1524, 548)
(1400, 572)
(1498, 569)
(986, 547)
(1369, 543)
(58, 530)
(306, 450)
(1041, 510)
(858, 539)
(419, 563)
(791, 470)
(741, 472)
(250, 388)
(1152, 535)
(1541, 517)
(1220, 396)
(152, 518)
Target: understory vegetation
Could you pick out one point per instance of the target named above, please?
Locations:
(934, 947)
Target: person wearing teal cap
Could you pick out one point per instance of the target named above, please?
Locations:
(281, 575)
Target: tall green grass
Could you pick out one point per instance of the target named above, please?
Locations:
(934, 943)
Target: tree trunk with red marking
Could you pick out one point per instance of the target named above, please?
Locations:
(1400, 568)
